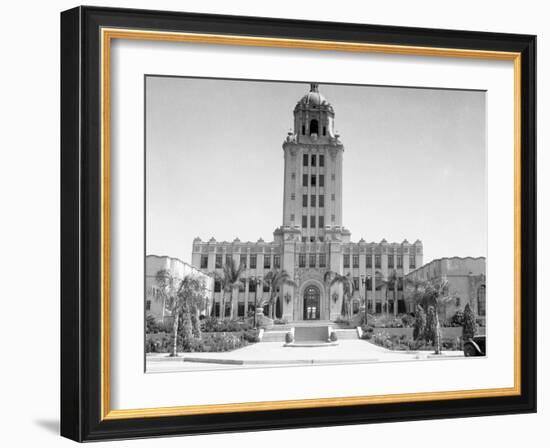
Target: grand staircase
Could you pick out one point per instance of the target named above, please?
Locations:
(308, 331)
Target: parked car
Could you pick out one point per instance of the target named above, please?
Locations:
(475, 346)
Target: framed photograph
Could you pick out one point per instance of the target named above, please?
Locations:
(274, 223)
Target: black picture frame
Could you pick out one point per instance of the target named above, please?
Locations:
(81, 224)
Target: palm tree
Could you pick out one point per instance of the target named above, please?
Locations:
(416, 288)
(393, 281)
(168, 289)
(229, 279)
(334, 278)
(257, 283)
(276, 279)
(182, 298)
(232, 277)
(191, 292)
(433, 293)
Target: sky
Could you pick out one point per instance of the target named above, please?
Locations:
(414, 163)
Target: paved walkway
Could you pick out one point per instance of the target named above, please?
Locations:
(274, 354)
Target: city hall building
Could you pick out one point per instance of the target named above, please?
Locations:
(312, 238)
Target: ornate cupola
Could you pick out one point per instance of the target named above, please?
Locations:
(314, 118)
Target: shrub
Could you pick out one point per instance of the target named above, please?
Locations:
(219, 342)
(419, 323)
(280, 321)
(470, 326)
(251, 335)
(151, 325)
(407, 320)
(457, 320)
(343, 322)
(429, 331)
(367, 329)
(333, 336)
(289, 338)
(213, 325)
(157, 343)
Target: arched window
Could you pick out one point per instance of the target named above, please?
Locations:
(481, 301)
(313, 127)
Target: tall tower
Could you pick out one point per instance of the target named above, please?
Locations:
(313, 152)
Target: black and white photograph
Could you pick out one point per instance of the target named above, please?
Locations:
(311, 223)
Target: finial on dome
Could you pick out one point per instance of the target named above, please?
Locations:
(314, 87)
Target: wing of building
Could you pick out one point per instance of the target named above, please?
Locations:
(466, 284)
(312, 239)
(154, 302)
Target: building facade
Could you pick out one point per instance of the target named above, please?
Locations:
(154, 302)
(312, 239)
(466, 284)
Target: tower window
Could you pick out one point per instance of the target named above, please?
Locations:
(312, 260)
(321, 200)
(304, 180)
(321, 222)
(399, 261)
(253, 259)
(267, 262)
(324, 130)
(321, 160)
(277, 261)
(313, 180)
(321, 180)
(303, 129)
(390, 261)
(304, 221)
(312, 222)
(355, 261)
(369, 261)
(305, 159)
(302, 260)
(218, 261)
(412, 264)
(313, 200)
(322, 260)
(377, 261)
(204, 261)
(313, 127)
(313, 160)
(304, 200)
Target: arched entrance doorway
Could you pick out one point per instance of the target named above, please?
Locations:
(312, 303)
